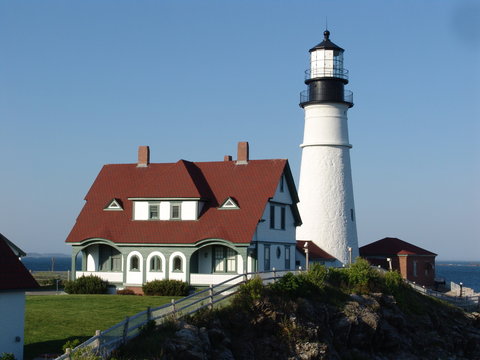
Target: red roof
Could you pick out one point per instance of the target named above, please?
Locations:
(251, 185)
(314, 252)
(13, 274)
(392, 246)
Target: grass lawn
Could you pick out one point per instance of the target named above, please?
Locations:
(51, 321)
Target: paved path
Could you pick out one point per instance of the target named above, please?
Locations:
(49, 292)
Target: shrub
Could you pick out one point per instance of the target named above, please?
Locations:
(248, 293)
(293, 285)
(362, 278)
(337, 278)
(7, 356)
(125, 292)
(166, 288)
(393, 281)
(70, 344)
(86, 285)
(317, 275)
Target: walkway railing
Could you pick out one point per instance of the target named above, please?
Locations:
(469, 303)
(104, 342)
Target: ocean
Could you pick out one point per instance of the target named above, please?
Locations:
(467, 272)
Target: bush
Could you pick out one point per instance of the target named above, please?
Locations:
(393, 281)
(317, 275)
(166, 288)
(294, 285)
(362, 278)
(249, 292)
(7, 356)
(125, 292)
(86, 285)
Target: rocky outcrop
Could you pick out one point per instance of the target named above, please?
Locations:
(365, 327)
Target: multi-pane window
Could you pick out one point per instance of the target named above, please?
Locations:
(175, 209)
(153, 211)
(225, 259)
(177, 263)
(287, 257)
(266, 257)
(156, 263)
(134, 263)
(219, 259)
(110, 259)
(231, 260)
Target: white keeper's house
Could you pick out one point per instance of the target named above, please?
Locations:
(199, 222)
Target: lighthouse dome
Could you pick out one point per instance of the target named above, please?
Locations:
(326, 44)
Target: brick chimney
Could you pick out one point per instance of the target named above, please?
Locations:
(143, 156)
(242, 157)
(227, 158)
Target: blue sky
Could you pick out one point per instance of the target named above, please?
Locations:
(83, 83)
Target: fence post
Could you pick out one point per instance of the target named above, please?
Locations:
(210, 292)
(149, 313)
(68, 351)
(125, 330)
(245, 276)
(173, 309)
(97, 340)
(274, 275)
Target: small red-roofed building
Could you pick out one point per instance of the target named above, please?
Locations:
(15, 279)
(199, 222)
(413, 263)
(316, 255)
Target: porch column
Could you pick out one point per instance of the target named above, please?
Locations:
(75, 252)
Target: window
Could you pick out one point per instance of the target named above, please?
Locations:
(231, 260)
(219, 259)
(277, 219)
(266, 257)
(415, 268)
(225, 259)
(287, 257)
(272, 216)
(156, 263)
(282, 184)
(352, 215)
(175, 210)
(134, 263)
(153, 211)
(177, 263)
(279, 252)
(282, 218)
(109, 259)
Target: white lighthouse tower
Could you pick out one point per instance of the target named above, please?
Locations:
(325, 189)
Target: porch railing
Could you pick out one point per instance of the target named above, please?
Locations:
(104, 342)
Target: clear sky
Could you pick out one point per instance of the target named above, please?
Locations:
(84, 83)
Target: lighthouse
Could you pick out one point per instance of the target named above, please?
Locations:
(325, 188)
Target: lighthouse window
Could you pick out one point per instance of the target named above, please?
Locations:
(352, 215)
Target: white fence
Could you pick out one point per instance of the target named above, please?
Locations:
(468, 302)
(104, 342)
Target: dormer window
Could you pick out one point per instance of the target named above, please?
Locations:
(153, 211)
(230, 203)
(114, 205)
(175, 211)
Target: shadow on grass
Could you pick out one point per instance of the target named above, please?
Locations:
(35, 350)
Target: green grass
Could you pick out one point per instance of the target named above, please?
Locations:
(51, 321)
